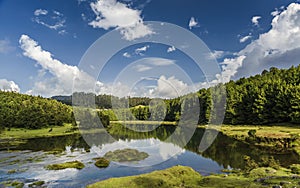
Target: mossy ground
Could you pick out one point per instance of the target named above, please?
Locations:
(176, 176)
(180, 176)
(73, 164)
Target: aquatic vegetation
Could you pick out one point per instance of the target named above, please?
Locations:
(126, 155)
(15, 184)
(12, 171)
(101, 162)
(73, 164)
(36, 184)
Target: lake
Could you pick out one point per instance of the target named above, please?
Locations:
(28, 159)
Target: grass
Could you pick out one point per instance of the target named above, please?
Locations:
(180, 176)
(240, 132)
(125, 155)
(73, 164)
(19, 133)
(146, 122)
(261, 131)
(177, 176)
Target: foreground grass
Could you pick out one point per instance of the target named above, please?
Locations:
(176, 176)
(181, 176)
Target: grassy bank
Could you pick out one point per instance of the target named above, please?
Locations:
(181, 176)
(145, 122)
(18, 133)
(277, 136)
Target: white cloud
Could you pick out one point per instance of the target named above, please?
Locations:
(113, 14)
(275, 12)
(150, 63)
(193, 23)
(139, 51)
(218, 54)
(38, 12)
(126, 54)
(6, 85)
(5, 46)
(55, 20)
(230, 66)
(245, 38)
(279, 47)
(142, 68)
(255, 20)
(169, 87)
(171, 49)
(63, 75)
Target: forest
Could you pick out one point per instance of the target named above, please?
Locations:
(30, 112)
(268, 98)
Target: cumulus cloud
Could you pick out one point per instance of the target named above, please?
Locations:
(55, 20)
(193, 23)
(255, 20)
(63, 75)
(171, 49)
(5, 46)
(139, 51)
(6, 85)
(113, 14)
(169, 87)
(280, 47)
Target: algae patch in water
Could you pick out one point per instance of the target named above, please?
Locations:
(72, 164)
(125, 155)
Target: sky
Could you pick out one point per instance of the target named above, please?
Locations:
(142, 47)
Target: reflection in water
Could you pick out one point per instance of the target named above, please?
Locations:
(157, 150)
(225, 152)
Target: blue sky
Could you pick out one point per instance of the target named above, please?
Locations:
(42, 43)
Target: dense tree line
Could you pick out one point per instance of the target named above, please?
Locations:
(25, 111)
(270, 97)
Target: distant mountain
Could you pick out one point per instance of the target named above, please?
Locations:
(63, 99)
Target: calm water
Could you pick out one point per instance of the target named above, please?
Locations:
(30, 157)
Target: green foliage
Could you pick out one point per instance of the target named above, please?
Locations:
(25, 111)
